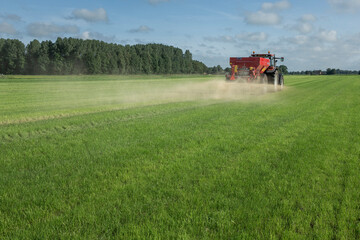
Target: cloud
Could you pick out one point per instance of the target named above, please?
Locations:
(98, 15)
(345, 5)
(268, 14)
(141, 29)
(298, 40)
(308, 18)
(50, 30)
(154, 2)
(321, 37)
(7, 28)
(206, 46)
(262, 18)
(304, 24)
(140, 41)
(313, 51)
(96, 35)
(240, 38)
(211, 52)
(303, 27)
(257, 36)
(223, 39)
(276, 6)
(327, 36)
(11, 17)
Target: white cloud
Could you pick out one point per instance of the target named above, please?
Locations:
(257, 36)
(328, 36)
(243, 38)
(206, 46)
(309, 52)
(96, 35)
(154, 2)
(141, 29)
(308, 18)
(7, 28)
(50, 30)
(268, 14)
(304, 27)
(263, 18)
(98, 15)
(223, 39)
(276, 6)
(298, 40)
(211, 52)
(345, 5)
(304, 24)
(321, 37)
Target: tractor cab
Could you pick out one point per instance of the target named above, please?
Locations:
(271, 57)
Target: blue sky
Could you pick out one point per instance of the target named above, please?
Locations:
(310, 34)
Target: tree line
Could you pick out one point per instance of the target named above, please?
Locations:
(77, 56)
(329, 71)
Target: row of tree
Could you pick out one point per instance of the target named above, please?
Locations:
(329, 71)
(77, 56)
(332, 71)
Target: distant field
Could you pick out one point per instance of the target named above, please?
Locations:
(188, 157)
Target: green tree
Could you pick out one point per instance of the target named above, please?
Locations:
(32, 57)
(199, 67)
(283, 69)
(188, 62)
(330, 71)
(12, 57)
(77, 56)
(43, 59)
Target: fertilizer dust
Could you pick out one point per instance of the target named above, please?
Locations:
(66, 99)
(192, 91)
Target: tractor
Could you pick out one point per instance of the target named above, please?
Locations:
(258, 68)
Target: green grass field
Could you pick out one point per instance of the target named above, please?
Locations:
(182, 157)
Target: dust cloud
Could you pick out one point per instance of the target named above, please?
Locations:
(192, 91)
(70, 98)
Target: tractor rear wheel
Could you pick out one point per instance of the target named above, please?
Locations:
(281, 80)
(273, 78)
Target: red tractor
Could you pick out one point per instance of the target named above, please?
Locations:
(258, 68)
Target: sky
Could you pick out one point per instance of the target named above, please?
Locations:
(310, 34)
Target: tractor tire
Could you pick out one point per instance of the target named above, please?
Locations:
(281, 80)
(273, 79)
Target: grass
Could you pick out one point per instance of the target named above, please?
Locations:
(80, 157)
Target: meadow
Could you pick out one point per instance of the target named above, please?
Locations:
(179, 157)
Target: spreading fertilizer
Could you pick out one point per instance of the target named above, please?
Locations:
(192, 91)
(62, 99)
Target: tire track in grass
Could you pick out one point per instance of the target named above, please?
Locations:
(307, 115)
(302, 125)
(266, 133)
(298, 117)
(206, 124)
(344, 168)
(159, 110)
(305, 82)
(349, 125)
